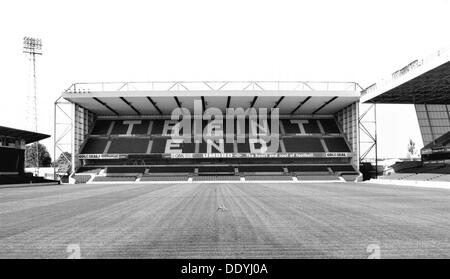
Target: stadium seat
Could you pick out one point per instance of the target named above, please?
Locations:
(94, 146)
(133, 145)
(128, 145)
(303, 144)
(158, 145)
(157, 127)
(308, 169)
(442, 170)
(139, 127)
(188, 147)
(170, 170)
(260, 169)
(309, 125)
(124, 171)
(336, 144)
(101, 127)
(424, 168)
(243, 147)
(93, 170)
(215, 169)
(330, 126)
(120, 127)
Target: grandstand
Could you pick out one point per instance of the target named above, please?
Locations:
(12, 157)
(123, 132)
(424, 84)
(437, 151)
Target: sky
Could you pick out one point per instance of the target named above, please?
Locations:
(346, 40)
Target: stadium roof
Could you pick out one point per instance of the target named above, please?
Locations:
(27, 136)
(425, 81)
(158, 98)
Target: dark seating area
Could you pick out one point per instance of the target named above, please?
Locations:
(128, 146)
(292, 126)
(243, 147)
(93, 170)
(425, 168)
(140, 145)
(188, 147)
(307, 168)
(330, 126)
(215, 169)
(135, 145)
(399, 166)
(343, 168)
(336, 144)
(171, 169)
(442, 170)
(260, 169)
(158, 145)
(157, 127)
(101, 127)
(124, 171)
(94, 146)
(140, 127)
(303, 144)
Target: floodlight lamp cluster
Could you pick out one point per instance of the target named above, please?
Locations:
(32, 45)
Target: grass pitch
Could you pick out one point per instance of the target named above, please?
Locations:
(254, 220)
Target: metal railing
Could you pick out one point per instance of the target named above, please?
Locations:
(213, 86)
(441, 55)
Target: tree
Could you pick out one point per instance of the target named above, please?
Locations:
(411, 149)
(30, 156)
(63, 164)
